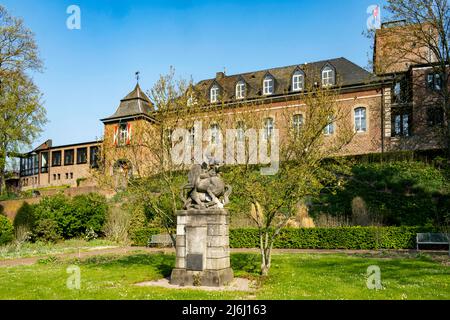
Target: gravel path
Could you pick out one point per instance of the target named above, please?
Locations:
(127, 250)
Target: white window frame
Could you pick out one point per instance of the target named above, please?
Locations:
(268, 85)
(297, 81)
(240, 90)
(297, 122)
(123, 133)
(327, 76)
(329, 128)
(214, 94)
(240, 127)
(359, 119)
(269, 126)
(215, 133)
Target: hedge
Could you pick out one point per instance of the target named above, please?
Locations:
(6, 230)
(317, 238)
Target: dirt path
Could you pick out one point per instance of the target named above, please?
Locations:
(128, 250)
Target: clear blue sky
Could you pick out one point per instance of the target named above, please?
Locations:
(88, 71)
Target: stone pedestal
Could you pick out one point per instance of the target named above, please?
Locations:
(203, 254)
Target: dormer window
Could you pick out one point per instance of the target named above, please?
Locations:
(240, 90)
(328, 76)
(268, 85)
(298, 81)
(214, 94)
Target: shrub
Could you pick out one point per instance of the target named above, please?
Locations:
(47, 230)
(316, 238)
(83, 215)
(25, 217)
(6, 230)
(117, 225)
(86, 212)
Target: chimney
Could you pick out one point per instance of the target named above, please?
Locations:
(220, 75)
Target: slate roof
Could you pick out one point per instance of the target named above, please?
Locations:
(134, 104)
(347, 74)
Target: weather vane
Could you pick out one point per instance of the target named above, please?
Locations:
(137, 76)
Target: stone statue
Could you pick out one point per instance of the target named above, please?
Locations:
(205, 188)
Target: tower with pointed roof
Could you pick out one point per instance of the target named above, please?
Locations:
(122, 132)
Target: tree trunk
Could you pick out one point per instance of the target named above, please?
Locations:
(266, 253)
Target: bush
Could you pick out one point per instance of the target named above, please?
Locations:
(316, 238)
(25, 217)
(47, 230)
(76, 217)
(86, 212)
(6, 230)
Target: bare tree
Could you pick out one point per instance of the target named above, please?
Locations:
(307, 163)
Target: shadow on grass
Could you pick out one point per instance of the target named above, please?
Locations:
(163, 263)
(245, 263)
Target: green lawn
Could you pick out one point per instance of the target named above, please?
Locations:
(42, 249)
(293, 276)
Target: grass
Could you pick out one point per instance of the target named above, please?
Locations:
(293, 276)
(40, 249)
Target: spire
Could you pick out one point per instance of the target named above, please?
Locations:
(137, 76)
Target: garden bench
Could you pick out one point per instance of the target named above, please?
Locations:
(161, 240)
(431, 238)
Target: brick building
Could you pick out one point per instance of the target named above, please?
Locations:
(390, 109)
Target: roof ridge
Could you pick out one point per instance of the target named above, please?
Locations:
(282, 67)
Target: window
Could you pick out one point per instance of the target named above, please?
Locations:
(327, 76)
(240, 127)
(360, 120)
(268, 128)
(71, 175)
(59, 176)
(56, 158)
(240, 90)
(35, 164)
(67, 176)
(400, 124)
(214, 94)
(329, 128)
(123, 133)
(81, 155)
(192, 136)
(215, 134)
(68, 157)
(297, 81)
(168, 137)
(44, 162)
(435, 116)
(191, 101)
(297, 122)
(268, 85)
(94, 157)
(54, 177)
(434, 81)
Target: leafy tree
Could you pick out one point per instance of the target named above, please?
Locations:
(21, 112)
